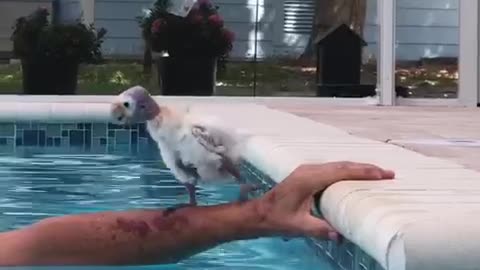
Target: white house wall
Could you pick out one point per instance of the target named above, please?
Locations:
(425, 28)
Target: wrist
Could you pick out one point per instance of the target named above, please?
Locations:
(262, 218)
(248, 220)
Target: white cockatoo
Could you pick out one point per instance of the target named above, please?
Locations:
(195, 149)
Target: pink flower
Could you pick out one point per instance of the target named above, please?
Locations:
(197, 19)
(216, 20)
(195, 16)
(158, 25)
(228, 35)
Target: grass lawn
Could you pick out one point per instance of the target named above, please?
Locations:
(275, 78)
(235, 80)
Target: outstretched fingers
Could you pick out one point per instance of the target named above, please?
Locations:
(340, 171)
(363, 171)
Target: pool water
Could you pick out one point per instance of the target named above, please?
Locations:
(37, 186)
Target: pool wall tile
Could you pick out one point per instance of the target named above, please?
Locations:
(30, 137)
(104, 137)
(23, 125)
(7, 129)
(77, 138)
(57, 141)
(65, 142)
(67, 126)
(99, 130)
(134, 138)
(49, 141)
(54, 130)
(122, 137)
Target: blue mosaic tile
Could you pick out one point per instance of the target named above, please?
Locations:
(41, 137)
(10, 141)
(30, 137)
(7, 129)
(99, 130)
(57, 141)
(77, 138)
(23, 125)
(49, 141)
(143, 141)
(122, 137)
(120, 149)
(110, 148)
(88, 138)
(142, 131)
(346, 260)
(134, 138)
(108, 137)
(68, 126)
(54, 130)
(114, 126)
(65, 141)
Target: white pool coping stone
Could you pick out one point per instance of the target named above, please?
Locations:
(425, 219)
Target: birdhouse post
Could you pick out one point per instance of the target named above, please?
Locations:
(339, 60)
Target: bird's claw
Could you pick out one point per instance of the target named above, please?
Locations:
(245, 189)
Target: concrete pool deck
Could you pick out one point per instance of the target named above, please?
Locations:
(445, 132)
(426, 219)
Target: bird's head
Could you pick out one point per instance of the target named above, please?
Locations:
(133, 106)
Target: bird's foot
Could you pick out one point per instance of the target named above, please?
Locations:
(174, 208)
(191, 194)
(245, 189)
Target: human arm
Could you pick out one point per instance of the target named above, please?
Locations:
(158, 236)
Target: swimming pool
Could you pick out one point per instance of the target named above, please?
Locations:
(56, 169)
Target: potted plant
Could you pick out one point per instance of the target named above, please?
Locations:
(192, 46)
(51, 53)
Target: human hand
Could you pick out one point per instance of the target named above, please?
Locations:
(286, 209)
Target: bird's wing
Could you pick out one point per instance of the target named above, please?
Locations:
(220, 142)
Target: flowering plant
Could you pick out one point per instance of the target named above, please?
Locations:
(35, 37)
(200, 33)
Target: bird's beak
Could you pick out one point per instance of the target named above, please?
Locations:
(118, 113)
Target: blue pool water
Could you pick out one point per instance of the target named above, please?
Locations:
(36, 186)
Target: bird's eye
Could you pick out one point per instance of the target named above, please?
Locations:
(120, 118)
(126, 104)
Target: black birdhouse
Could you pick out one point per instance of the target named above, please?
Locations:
(339, 60)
